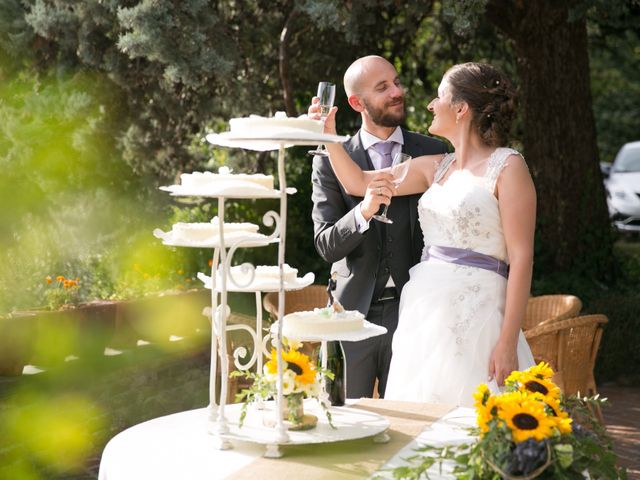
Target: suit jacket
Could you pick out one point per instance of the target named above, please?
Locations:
(356, 256)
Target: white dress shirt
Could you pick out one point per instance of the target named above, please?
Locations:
(368, 140)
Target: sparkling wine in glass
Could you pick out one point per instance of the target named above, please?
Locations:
(326, 94)
(399, 170)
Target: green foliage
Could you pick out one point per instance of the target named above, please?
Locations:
(89, 84)
(464, 14)
(67, 196)
(615, 61)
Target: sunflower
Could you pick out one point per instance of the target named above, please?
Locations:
(295, 361)
(514, 378)
(531, 382)
(542, 371)
(481, 395)
(526, 419)
(486, 412)
(560, 418)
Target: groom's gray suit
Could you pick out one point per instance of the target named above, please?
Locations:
(364, 261)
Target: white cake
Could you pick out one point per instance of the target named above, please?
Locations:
(265, 273)
(279, 123)
(208, 232)
(321, 321)
(202, 180)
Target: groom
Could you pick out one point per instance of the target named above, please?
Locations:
(371, 259)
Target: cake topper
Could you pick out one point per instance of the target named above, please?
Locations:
(335, 304)
(331, 286)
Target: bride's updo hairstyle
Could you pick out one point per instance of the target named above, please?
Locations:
(490, 96)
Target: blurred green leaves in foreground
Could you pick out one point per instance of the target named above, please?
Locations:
(70, 205)
(53, 430)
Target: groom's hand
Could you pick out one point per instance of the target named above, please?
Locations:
(379, 192)
(313, 112)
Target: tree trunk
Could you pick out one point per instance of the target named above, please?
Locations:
(573, 229)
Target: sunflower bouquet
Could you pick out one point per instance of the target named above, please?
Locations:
(301, 379)
(528, 431)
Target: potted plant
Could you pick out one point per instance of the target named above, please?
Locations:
(301, 379)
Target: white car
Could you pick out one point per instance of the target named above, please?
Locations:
(623, 188)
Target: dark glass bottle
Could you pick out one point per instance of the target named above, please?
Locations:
(336, 363)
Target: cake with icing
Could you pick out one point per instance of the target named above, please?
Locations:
(265, 273)
(224, 177)
(265, 126)
(209, 232)
(321, 321)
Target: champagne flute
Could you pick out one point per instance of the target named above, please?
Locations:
(326, 94)
(399, 170)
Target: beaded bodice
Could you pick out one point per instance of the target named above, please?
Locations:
(463, 212)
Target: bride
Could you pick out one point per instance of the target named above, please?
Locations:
(462, 309)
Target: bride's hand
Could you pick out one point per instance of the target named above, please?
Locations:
(503, 361)
(313, 113)
(379, 192)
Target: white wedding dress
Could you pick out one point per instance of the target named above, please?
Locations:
(451, 315)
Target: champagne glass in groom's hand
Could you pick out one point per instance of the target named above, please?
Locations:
(399, 169)
(326, 94)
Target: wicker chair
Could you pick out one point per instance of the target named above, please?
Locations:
(308, 298)
(570, 346)
(550, 308)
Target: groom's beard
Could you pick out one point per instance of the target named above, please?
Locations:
(384, 118)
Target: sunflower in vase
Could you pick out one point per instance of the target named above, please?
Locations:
(301, 379)
(530, 430)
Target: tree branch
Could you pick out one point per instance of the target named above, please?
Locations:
(283, 63)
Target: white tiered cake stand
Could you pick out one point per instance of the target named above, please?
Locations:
(224, 420)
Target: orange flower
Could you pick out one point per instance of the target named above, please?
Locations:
(60, 278)
(48, 279)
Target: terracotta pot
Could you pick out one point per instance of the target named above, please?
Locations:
(17, 333)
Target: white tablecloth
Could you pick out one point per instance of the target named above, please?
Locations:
(178, 447)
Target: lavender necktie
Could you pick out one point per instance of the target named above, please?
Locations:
(384, 149)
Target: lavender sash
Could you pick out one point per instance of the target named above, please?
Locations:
(463, 256)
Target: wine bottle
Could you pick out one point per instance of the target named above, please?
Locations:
(336, 363)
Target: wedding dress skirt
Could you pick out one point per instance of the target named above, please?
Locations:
(451, 315)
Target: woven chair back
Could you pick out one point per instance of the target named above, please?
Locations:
(570, 346)
(544, 309)
(308, 298)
